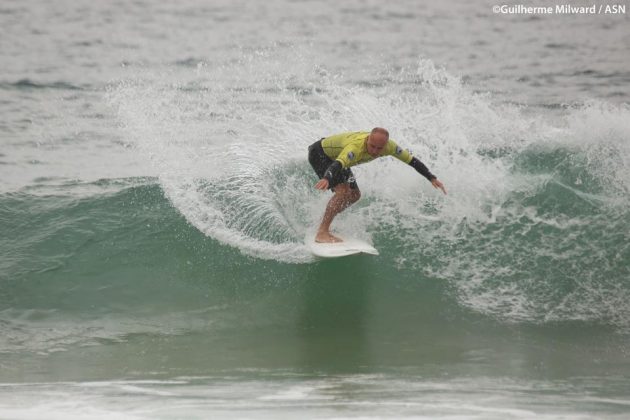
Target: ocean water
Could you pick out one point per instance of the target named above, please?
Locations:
(155, 196)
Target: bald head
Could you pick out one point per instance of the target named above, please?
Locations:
(377, 140)
(380, 132)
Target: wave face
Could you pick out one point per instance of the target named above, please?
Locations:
(535, 227)
(534, 230)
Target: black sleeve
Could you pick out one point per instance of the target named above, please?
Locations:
(332, 171)
(421, 168)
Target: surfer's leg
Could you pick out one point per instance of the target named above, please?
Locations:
(344, 197)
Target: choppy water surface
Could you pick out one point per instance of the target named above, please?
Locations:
(155, 196)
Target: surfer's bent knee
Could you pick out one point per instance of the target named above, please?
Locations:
(351, 195)
(342, 189)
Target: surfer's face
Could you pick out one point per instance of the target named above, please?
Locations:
(376, 143)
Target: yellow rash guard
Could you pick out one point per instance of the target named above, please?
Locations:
(351, 149)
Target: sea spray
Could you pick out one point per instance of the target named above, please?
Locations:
(534, 227)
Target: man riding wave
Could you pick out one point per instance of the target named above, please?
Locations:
(332, 157)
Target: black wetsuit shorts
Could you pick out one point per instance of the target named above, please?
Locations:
(320, 162)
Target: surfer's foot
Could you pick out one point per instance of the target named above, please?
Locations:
(326, 237)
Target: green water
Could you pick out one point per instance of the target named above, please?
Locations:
(117, 285)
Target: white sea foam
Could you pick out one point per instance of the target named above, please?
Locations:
(334, 397)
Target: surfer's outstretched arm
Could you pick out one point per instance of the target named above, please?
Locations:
(422, 169)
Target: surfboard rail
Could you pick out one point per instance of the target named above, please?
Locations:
(349, 246)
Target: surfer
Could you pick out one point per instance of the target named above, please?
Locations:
(332, 157)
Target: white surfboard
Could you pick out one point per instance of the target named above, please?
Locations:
(349, 246)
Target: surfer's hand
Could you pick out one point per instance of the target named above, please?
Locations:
(322, 184)
(437, 184)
